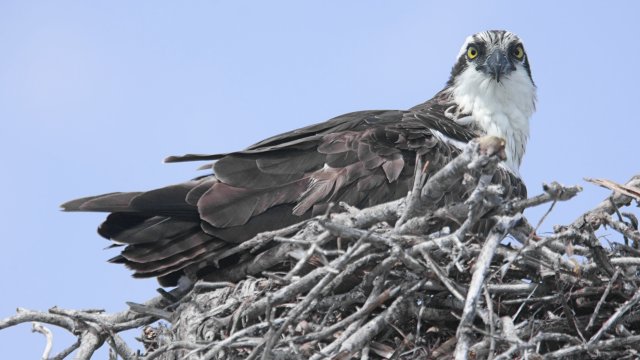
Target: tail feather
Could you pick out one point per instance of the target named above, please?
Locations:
(169, 201)
(150, 230)
(111, 202)
(174, 263)
(166, 247)
(192, 157)
(119, 222)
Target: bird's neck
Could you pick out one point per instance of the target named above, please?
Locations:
(500, 109)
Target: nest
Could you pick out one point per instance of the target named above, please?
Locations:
(404, 280)
(376, 284)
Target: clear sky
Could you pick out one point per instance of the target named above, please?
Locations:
(93, 95)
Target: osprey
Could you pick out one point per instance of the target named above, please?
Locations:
(363, 158)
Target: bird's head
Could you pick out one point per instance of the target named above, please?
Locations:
(495, 55)
(492, 88)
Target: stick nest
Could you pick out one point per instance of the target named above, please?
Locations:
(404, 280)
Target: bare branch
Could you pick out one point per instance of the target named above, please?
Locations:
(37, 327)
(483, 262)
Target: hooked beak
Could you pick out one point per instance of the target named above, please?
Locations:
(497, 65)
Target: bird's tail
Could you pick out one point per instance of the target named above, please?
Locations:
(160, 229)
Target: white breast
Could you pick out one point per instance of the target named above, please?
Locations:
(500, 109)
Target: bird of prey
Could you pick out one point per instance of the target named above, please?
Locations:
(362, 158)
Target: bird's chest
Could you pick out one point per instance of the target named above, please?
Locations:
(509, 125)
(503, 118)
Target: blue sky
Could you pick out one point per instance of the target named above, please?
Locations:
(93, 95)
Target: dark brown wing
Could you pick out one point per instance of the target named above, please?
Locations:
(363, 158)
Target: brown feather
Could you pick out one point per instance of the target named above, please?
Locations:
(224, 205)
(165, 248)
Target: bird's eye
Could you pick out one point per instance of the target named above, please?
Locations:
(518, 52)
(472, 52)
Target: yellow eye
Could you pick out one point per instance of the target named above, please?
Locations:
(518, 52)
(472, 52)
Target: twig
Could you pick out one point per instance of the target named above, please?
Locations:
(492, 330)
(338, 264)
(176, 345)
(151, 311)
(372, 303)
(413, 198)
(64, 353)
(361, 337)
(621, 227)
(120, 347)
(608, 205)
(25, 315)
(448, 283)
(552, 192)
(37, 327)
(615, 317)
(90, 341)
(587, 347)
(526, 247)
(498, 233)
(603, 298)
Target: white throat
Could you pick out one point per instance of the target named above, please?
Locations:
(500, 109)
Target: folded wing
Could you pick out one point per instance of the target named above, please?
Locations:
(363, 158)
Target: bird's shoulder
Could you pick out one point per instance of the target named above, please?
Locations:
(422, 120)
